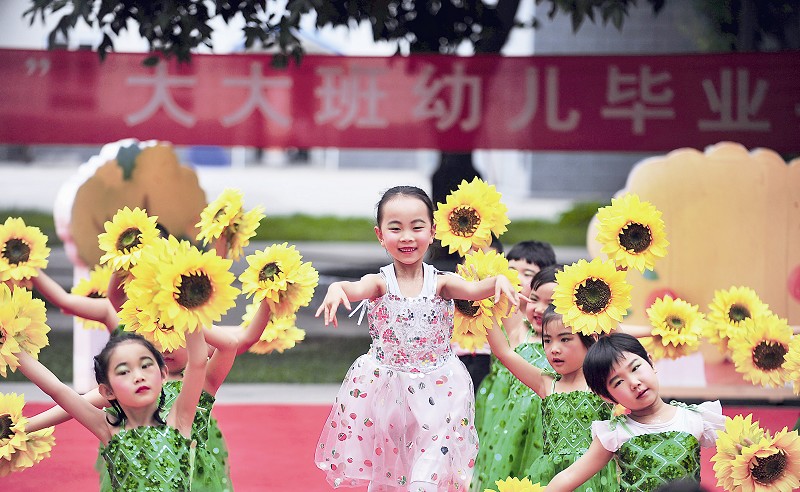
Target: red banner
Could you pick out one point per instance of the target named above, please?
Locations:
(575, 103)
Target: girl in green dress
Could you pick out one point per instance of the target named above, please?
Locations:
(511, 439)
(142, 451)
(568, 407)
(656, 443)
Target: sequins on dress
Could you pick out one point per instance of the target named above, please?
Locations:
(149, 459)
(651, 455)
(405, 410)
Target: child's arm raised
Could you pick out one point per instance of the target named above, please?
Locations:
(57, 415)
(224, 341)
(595, 458)
(248, 336)
(74, 404)
(368, 287)
(96, 309)
(181, 414)
(523, 370)
(455, 287)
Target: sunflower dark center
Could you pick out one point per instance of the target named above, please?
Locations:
(676, 323)
(5, 426)
(166, 329)
(738, 312)
(194, 291)
(269, 271)
(593, 296)
(635, 237)
(16, 251)
(769, 469)
(467, 308)
(464, 221)
(769, 356)
(219, 214)
(130, 238)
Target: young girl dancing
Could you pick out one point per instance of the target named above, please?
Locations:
(568, 407)
(511, 439)
(403, 418)
(142, 451)
(656, 443)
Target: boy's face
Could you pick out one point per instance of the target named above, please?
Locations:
(526, 272)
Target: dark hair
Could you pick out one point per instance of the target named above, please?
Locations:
(410, 191)
(496, 244)
(609, 350)
(550, 315)
(163, 232)
(101, 372)
(546, 275)
(539, 253)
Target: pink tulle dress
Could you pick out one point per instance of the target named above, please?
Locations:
(405, 410)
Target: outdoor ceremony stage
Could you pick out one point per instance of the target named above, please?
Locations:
(271, 449)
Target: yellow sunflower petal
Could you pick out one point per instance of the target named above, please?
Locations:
(759, 349)
(592, 297)
(219, 215)
(739, 432)
(23, 250)
(32, 337)
(469, 217)
(632, 232)
(37, 447)
(126, 234)
(243, 228)
(792, 364)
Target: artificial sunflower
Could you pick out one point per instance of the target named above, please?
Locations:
(677, 328)
(164, 338)
(728, 309)
(279, 275)
(281, 333)
(219, 215)
(181, 286)
(771, 464)
(739, 432)
(760, 348)
(469, 217)
(592, 297)
(632, 232)
(126, 234)
(792, 365)
(96, 287)
(243, 228)
(32, 337)
(12, 429)
(38, 445)
(513, 484)
(299, 291)
(473, 319)
(23, 250)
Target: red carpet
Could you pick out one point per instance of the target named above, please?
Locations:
(271, 446)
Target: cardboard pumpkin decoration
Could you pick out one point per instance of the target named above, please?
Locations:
(126, 173)
(732, 219)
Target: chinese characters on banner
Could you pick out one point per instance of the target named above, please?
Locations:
(571, 103)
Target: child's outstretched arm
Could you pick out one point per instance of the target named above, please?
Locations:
(57, 415)
(248, 336)
(96, 309)
(523, 370)
(595, 458)
(368, 287)
(74, 404)
(181, 415)
(455, 287)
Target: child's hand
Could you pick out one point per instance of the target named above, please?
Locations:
(503, 285)
(330, 304)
